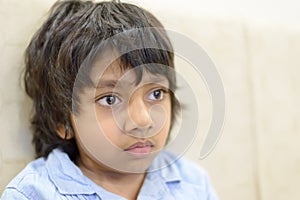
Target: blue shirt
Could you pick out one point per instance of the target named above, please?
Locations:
(57, 177)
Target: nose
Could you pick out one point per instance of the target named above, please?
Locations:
(139, 120)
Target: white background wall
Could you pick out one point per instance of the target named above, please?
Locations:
(255, 46)
(259, 10)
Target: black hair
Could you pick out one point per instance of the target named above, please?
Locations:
(73, 30)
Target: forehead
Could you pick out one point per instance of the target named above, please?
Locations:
(108, 68)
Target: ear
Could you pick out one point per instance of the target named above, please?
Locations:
(64, 132)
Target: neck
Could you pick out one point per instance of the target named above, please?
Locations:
(123, 184)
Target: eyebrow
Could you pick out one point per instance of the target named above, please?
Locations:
(107, 84)
(112, 83)
(158, 80)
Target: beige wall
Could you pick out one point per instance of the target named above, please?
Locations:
(257, 156)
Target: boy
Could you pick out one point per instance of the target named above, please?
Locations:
(102, 80)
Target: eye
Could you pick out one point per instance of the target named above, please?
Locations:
(156, 95)
(109, 100)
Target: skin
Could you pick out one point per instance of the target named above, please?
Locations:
(115, 115)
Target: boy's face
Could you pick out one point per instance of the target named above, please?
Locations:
(122, 125)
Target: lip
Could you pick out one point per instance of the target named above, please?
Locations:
(140, 148)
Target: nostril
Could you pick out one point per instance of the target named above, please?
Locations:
(142, 120)
(139, 123)
(139, 114)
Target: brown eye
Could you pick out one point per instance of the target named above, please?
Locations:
(109, 100)
(156, 95)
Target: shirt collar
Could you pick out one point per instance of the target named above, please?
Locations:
(165, 164)
(161, 172)
(69, 179)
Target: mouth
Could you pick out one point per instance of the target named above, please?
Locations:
(140, 148)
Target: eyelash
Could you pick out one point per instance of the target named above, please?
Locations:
(116, 98)
(162, 93)
(103, 101)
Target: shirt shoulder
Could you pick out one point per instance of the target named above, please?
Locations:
(186, 178)
(54, 177)
(30, 182)
(190, 171)
(179, 167)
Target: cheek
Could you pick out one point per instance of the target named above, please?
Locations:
(166, 127)
(108, 126)
(168, 113)
(84, 123)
